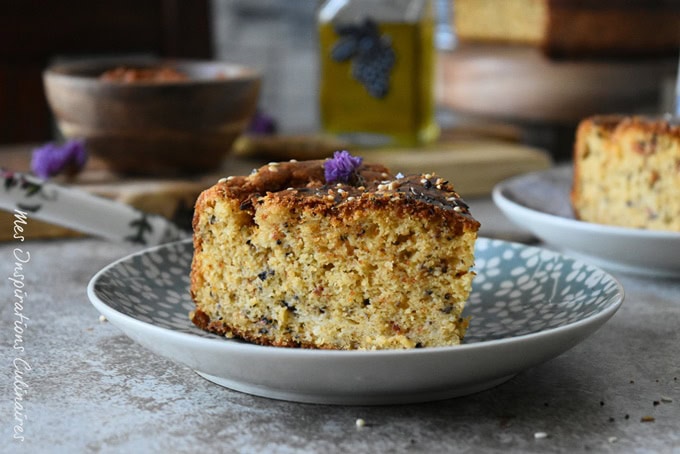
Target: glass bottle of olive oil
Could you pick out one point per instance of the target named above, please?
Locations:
(377, 71)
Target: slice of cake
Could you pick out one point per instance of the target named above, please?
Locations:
(574, 29)
(333, 254)
(627, 172)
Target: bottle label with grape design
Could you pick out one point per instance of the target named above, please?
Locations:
(376, 85)
(371, 55)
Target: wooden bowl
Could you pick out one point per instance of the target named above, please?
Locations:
(519, 83)
(154, 128)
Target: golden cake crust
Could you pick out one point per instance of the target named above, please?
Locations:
(301, 185)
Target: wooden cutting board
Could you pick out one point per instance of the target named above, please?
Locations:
(474, 166)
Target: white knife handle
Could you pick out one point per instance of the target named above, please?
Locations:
(31, 197)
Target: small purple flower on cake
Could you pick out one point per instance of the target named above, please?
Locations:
(341, 167)
(51, 159)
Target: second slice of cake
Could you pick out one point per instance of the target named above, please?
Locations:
(333, 254)
(627, 172)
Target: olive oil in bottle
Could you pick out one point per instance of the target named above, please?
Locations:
(377, 71)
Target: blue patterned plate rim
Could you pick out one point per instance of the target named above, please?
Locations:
(608, 302)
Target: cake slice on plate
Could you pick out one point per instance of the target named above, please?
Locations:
(333, 254)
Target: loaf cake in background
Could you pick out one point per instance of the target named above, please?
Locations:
(333, 254)
(627, 172)
(574, 28)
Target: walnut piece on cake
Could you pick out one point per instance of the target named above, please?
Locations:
(285, 257)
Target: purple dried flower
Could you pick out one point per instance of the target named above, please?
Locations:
(51, 159)
(341, 167)
(262, 124)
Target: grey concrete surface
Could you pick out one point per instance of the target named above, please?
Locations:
(92, 389)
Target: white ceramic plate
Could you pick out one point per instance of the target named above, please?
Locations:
(539, 202)
(527, 306)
